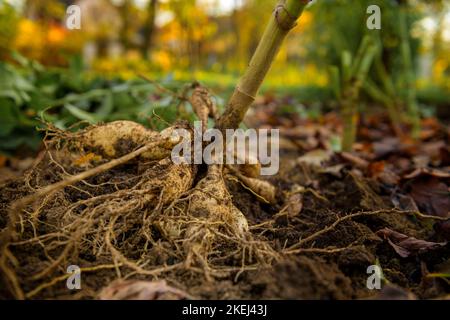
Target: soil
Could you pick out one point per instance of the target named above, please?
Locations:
(339, 271)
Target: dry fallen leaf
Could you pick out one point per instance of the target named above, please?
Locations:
(386, 146)
(431, 195)
(354, 160)
(404, 202)
(405, 245)
(383, 173)
(141, 290)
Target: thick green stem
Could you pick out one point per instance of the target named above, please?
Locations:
(281, 22)
(351, 89)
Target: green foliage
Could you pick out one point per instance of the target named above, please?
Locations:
(8, 26)
(347, 82)
(31, 94)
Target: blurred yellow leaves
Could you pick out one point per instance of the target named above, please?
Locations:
(304, 21)
(162, 59)
(47, 43)
(55, 35)
(30, 38)
(282, 75)
(440, 66)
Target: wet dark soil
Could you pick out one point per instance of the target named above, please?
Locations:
(340, 275)
(339, 271)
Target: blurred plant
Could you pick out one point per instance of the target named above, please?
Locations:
(195, 29)
(149, 27)
(347, 83)
(283, 19)
(9, 20)
(31, 94)
(409, 74)
(392, 81)
(386, 95)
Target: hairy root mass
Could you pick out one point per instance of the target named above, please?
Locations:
(147, 217)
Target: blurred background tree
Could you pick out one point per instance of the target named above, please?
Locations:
(212, 41)
(9, 21)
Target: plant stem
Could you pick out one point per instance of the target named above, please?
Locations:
(351, 89)
(281, 22)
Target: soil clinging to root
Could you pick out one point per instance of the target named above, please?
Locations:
(201, 229)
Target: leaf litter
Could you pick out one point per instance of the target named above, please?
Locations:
(146, 228)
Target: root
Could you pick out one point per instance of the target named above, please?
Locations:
(206, 222)
(119, 138)
(153, 223)
(296, 248)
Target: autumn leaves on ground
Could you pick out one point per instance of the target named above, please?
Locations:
(210, 233)
(355, 190)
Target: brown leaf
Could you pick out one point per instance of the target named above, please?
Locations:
(141, 290)
(355, 160)
(432, 196)
(404, 202)
(405, 245)
(380, 171)
(386, 146)
(433, 150)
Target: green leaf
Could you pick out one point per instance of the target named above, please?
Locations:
(335, 81)
(24, 62)
(81, 114)
(8, 119)
(106, 107)
(10, 93)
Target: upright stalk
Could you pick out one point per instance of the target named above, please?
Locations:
(354, 76)
(282, 21)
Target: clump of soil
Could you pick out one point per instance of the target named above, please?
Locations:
(201, 231)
